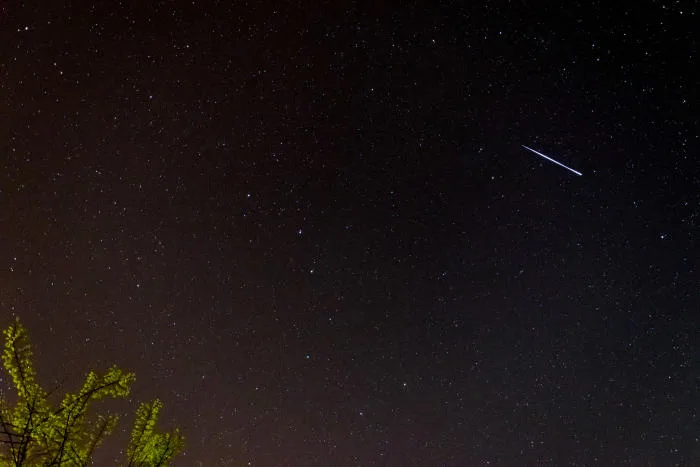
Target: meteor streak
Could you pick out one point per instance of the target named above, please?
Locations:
(552, 160)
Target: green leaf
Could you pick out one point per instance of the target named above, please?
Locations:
(34, 433)
(147, 447)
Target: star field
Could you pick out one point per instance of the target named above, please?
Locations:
(313, 232)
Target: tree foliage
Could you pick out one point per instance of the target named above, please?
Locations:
(33, 433)
(147, 446)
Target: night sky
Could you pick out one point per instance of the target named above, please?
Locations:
(313, 232)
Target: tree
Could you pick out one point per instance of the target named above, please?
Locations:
(33, 433)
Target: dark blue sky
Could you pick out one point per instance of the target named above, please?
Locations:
(313, 232)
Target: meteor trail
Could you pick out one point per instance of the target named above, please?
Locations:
(552, 160)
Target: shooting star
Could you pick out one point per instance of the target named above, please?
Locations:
(552, 160)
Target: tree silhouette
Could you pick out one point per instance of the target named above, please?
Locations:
(35, 433)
